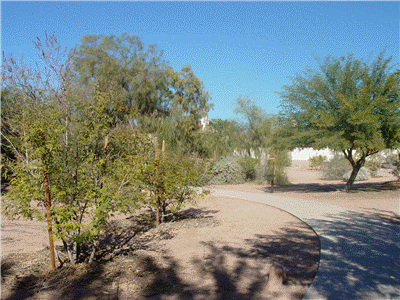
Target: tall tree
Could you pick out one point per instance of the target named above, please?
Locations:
(124, 64)
(189, 102)
(257, 126)
(151, 93)
(349, 105)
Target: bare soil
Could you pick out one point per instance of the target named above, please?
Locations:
(223, 248)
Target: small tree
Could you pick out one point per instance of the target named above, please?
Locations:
(257, 127)
(172, 180)
(348, 105)
(72, 150)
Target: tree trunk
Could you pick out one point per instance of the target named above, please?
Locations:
(75, 253)
(353, 175)
(94, 248)
(158, 201)
(48, 215)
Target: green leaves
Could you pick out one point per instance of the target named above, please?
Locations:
(348, 105)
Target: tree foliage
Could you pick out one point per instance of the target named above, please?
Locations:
(146, 84)
(69, 124)
(348, 105)
(257, 126)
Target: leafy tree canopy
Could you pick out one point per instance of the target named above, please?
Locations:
(257, 126)
(348, 105)
(145, 81)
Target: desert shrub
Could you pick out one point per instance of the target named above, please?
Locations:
(317, 161)
(373, 163)
(227, 170)
(363, 174)
(335, 168)
(396, 172)
(248, 165)
(281, 178)
(261, 172)
(389, 161)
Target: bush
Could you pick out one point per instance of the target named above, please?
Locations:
(248, 165)
(335, 168)
(281, 178)
(396, 172)
(373, 163)
(317, 161)
(262, 171)
(363, 174)
(227, 171)
(389, 161)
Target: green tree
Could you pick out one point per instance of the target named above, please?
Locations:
(222, 137)
(151, 93)
(348, 105)
(172, 181)
(124, 64)
(69, 153)
(31, 131)
(189, 103)
(257, 126)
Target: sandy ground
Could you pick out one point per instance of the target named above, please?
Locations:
(231, 260)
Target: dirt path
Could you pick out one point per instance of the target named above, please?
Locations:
(228, 258)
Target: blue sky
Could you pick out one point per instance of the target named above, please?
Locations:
(235, 48)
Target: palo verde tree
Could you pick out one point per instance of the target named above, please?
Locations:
(349, 104)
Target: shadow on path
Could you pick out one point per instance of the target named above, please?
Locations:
(360, 256)
(332, 187)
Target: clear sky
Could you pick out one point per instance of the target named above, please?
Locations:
(235, 48)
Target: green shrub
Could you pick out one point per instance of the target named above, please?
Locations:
(389, 161)
(261, 172)
(363, 174)
(248, 165)
(335, 168)
(317, 161)
(281, 178)
(373, 163)
(227, 171)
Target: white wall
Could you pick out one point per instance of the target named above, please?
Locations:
(306, 153)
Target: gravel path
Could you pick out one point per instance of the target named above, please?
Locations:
(360, 252)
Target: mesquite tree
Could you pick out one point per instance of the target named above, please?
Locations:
(348, 105)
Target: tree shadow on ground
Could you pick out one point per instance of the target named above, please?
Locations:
(79, 282)
(86, 280)
(122, 238)
(242, 273)
(6, 268)
(360, 256)
(333, 187)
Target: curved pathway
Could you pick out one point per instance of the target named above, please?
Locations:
(360, 253)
